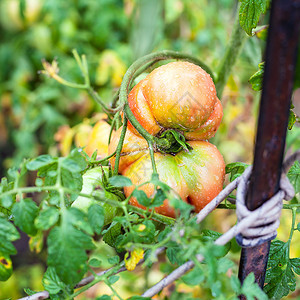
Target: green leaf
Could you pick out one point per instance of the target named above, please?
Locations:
(120, 181)
(39, 162)
(5, 267)
(8, 233)
(294, 176)
(47, 218)
(112, 279)
(51, 282)
(141, 197)
(104, 297)
(25, 213)
(138, 298)
(295, 262)
(96, 217)
(292, 120)
(250, 12)
(67, 246)
(114, 260)
(251, 289)
(235, 169)
(194, 277)
(111, 235)
(95, 263)
(256, 79)
(280, 278)
(158, 199)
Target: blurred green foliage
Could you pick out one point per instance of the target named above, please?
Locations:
(112, 33)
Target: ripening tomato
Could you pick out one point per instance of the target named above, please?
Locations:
(180, 96)
(98, 139)
(197, 176)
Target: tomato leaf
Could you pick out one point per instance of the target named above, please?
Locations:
(47, 218)
(235, 169)
(194, 277)
(51, 282)
(280, 277)
(294, 176)
(25, 213)
(96, 217)
(120, 181)
(8, 233)
(67, 245)
(250, 12)
(39, 162)
(141, 197)
(257, 78)
(251, 289)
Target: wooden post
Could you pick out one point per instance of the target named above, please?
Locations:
(283, 38)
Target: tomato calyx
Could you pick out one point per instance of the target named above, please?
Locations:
(177, 142)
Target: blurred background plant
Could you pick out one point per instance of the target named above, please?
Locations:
(37, 113)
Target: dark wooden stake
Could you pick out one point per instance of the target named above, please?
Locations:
(281, 52)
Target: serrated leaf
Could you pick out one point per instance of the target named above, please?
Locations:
(39, 162)
(235, 169)
(95, 263)
(158, 199)
(47, 218)
(256, 79)
(51, 282)
(8, 233)
(67, 246)
(110, 237)
(25, 213)
(250, 12)
(120, 181)
(251, 289)
(141, 197)
(194, 277)
(114, 260)
(96, 217)
(280, 278)
(295, 262)
(294, 176)
(113, 279)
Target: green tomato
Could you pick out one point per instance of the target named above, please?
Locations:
(92, 179)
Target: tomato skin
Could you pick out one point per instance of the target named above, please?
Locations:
(178, 95)
(98, 139)
(197, 176)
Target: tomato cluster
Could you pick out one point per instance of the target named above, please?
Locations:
(179, 96)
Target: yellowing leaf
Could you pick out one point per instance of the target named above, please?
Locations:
(36, 242)
(136, 255)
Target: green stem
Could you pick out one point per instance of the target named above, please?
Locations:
(97, 279)
(294, 212)
(120, 146)
(232, 52)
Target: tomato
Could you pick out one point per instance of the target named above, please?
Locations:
(197, 176)
(93, 179)
(180, 96)
(97, 138)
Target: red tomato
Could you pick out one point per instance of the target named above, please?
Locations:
(197, 176)
(178, 95)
